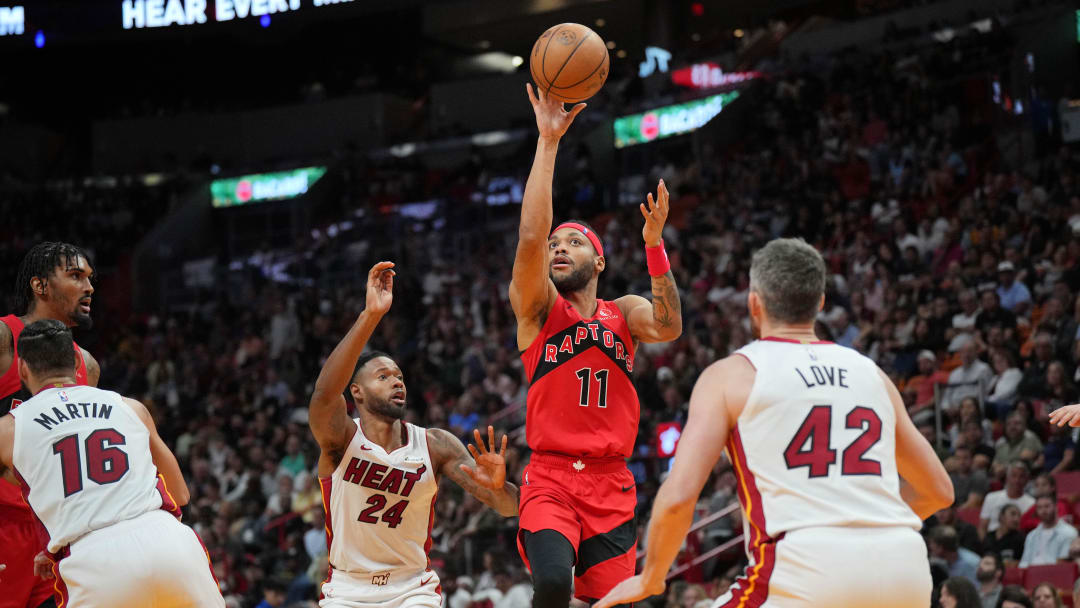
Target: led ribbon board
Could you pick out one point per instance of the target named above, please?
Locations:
(669, 120)
(260, 187)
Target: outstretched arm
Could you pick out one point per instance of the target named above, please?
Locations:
(925, 485)
(660, 320)
(328, 416)
(700, 447)
(531, 289)
(163, 457)
(487, 481)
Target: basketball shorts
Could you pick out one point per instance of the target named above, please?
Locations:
(150, 560)
(382, 590)
(19, 586)
(838, 567)
(591, 502)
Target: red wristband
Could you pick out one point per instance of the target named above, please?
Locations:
(659, 264)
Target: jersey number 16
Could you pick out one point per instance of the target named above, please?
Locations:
(105, 463)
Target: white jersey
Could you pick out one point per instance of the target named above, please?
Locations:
(83, 457)
(815, 444)
(379, 509)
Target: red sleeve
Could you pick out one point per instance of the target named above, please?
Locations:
(1028, 521)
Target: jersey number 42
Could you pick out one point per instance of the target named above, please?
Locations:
(818, 456)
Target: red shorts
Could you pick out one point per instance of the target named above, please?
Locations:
(592, 505)
(19, 586)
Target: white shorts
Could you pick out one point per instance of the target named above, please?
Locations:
(836, 567)
(151, 560)
(386, 590)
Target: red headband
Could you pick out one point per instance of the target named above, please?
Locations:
(589, 234)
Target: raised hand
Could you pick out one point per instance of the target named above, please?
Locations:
(1066, 414)
(380, 287)
(490, 471)
(655, 215)
(552, 120)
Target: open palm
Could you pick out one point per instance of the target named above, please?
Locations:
(490, 471)
(380, 287)
(552, 120)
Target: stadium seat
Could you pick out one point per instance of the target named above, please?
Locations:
(1068, 483)
(1061, 576)
(1013, 576)
(970, 515)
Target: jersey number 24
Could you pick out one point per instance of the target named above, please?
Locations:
(819, 455)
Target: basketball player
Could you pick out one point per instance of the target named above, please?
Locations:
(379, 474)
(53, 283)
(98, 477)
(577, 496)
(817, 435)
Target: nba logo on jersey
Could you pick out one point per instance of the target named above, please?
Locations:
(380, 579)
(63, 396)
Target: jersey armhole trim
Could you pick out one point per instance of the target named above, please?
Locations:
(747, 360)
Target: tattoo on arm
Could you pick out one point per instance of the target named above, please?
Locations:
(667, 308)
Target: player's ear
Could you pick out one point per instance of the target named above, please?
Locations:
(357, 394)
(24, 372)
(37, 284)
(821, 304)
(601, 263)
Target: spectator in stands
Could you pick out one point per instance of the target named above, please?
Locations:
(970, 485)
(1045, 595)
(967, 535)
(1059, 451)
(273, 595)
(1060, 390)
(844, 331)
(1005, 383)
(945, 547)
(1033, 384)
(1007, 540)
(293, 462)
(1013, 294)
(1044, 484)
(691, 595)
(989, 575)
(1016, 441)
(969, 411)
(964, 321)
(1016, 478)
(972, 378)
(992, 314)
(920, 387)
(1014, 596)
(1050, 541)
(959, 592)
(973, 436)
(462, 596)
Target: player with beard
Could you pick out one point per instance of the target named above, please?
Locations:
(577, 496)
(379, 474)
(54, 282)
(833, 477)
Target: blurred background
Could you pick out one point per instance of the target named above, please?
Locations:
(234, 167)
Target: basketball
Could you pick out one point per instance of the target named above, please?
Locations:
(569, 62)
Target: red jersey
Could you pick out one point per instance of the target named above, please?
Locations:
(581, 400)
(12, 393)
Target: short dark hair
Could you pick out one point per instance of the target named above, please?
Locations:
(945, 537)
(1052, 496)
(365, 357)
(998, 564)
(47, 346)
(963, 590)
(39, 263)
(1014, 593)
(789, 275)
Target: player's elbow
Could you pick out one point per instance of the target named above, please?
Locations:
(942, 492)
(181, 496)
